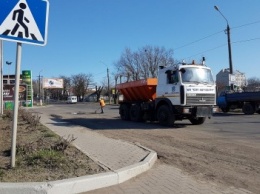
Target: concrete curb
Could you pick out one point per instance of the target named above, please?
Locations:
(84, 183)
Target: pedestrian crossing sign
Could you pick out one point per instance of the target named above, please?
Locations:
(24, 21)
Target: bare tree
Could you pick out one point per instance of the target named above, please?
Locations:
(98, 92)
(80, 83)
(35, 84)
(143, 63)
(253, 84)
(66, 85)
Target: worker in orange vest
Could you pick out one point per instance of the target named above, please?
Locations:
(102, 104)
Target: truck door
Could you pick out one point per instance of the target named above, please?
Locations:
(172, 89)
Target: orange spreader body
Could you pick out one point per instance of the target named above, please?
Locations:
(140, 90)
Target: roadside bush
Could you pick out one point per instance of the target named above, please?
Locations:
(62, 143)
(1, 173)
(8, 114)
(32, 119)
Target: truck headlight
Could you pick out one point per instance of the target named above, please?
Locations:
(186, 110)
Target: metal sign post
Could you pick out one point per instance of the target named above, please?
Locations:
(22, 21)
(16, 102)
(1, 79)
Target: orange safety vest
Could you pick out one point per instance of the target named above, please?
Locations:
(102, 103)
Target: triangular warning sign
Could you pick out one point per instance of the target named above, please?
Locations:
(20, 23)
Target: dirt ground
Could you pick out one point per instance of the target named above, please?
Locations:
(205, 156)
(41, 155)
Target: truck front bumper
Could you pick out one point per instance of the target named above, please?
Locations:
(200, 111)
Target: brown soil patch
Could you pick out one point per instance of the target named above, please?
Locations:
(41, 155)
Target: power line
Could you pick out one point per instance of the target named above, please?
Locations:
(198, 40)
(200, 53)
(103, 72)
(214, 35)
(248, 40)
(240, 41)
(246, 24)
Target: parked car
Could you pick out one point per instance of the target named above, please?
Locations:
(72, 100)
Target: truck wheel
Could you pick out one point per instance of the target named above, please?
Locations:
(136, 113)
(124, 112)
(197, 120)
(165, 116)
(248, 109)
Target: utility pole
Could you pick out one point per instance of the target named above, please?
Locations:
(229, 47)
(39, 87)
(107, 81)
(40, 100)
(108, 85)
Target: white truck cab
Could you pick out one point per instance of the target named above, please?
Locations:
(189, 88)
(195, 82)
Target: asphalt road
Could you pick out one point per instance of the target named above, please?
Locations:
(234, 125)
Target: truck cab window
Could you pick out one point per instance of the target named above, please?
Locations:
(187, 75)
(198, 75)
(172, 77)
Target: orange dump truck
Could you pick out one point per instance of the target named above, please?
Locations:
(180, 92)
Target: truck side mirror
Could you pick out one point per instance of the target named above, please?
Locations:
(182, 70)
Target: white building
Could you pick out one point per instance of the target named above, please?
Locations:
(223, 78)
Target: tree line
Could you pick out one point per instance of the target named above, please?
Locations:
(132, 65)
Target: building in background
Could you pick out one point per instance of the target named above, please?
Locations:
(224, 80)
(10, 79)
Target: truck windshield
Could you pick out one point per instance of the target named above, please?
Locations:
(196, 75)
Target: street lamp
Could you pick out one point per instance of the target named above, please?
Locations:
(229, 44)
(8, 63)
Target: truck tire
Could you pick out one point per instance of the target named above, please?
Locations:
(248, 109)
(136, 113)
(124, 112)
(197, 120)
(165, 116)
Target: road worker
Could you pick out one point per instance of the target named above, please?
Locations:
(102, 104)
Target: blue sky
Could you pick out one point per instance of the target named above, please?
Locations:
(88, 36)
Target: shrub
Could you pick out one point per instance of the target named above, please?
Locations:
(62, 144)
(32, 119)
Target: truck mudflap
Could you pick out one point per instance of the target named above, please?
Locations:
(202, 111)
